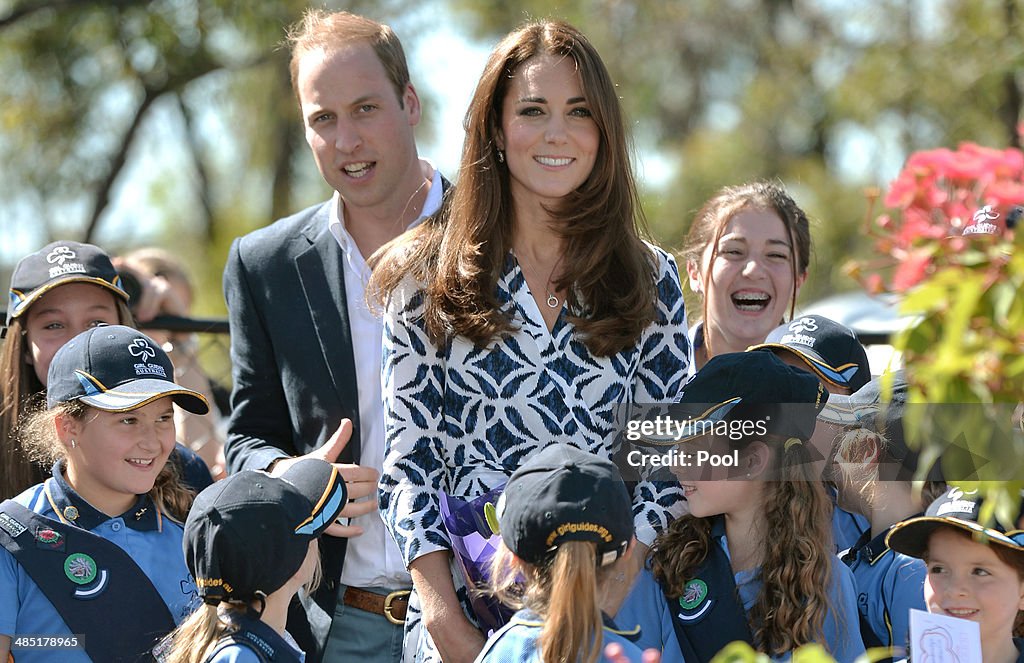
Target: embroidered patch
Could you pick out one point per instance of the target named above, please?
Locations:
(695, 603)
(94, 589)
(48, 539)
(693, 594)
(10, 525)
(80, 568)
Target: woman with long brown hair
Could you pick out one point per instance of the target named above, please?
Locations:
(529, 309)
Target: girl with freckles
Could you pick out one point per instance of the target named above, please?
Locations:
(974, 571)
(746, 255)
(530, 309)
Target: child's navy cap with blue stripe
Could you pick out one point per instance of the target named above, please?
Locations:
(116, 368)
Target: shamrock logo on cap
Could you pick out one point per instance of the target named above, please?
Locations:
(803, 324)
(141, 349)
(60, 255)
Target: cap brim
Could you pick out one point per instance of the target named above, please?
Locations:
(137, 393)
(911, 536)
(840, 409)
(27, 302)
(815, 362)
(324, 487)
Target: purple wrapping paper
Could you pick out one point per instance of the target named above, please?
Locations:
(474, 543)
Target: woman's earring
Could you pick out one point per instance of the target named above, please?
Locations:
(501, 156)
(73, 444)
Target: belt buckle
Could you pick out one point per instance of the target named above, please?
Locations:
(402, 593)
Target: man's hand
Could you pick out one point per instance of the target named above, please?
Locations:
(614, 653)
(360, 481)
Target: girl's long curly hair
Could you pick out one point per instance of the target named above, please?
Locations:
(796, 557)
(459, 254)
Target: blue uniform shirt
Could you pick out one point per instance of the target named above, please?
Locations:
(518, 641)
(888, 585)
(647, 607)
(259, 635)
(151, 539)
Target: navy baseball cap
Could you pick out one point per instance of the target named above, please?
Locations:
(956, 508)
(752, 386)
(830, 350)
(116, 368)
(56, 264)
(250, 532)
(565, 494)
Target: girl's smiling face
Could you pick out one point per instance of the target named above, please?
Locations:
(60, 315)
(748, 281)
(966, 579)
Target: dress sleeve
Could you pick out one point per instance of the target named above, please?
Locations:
(661, 372)
(413, 384)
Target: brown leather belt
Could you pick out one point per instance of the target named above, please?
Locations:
(393, 606)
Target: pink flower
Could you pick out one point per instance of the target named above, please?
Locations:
(911, 271)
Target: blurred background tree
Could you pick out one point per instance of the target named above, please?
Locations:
(828, 96)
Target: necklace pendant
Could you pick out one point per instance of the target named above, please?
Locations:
(552, 301)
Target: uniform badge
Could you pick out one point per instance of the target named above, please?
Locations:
(70, 512)
(48, 539)
(11, 525)
(80, 568)
(83, 571)
(694, 602)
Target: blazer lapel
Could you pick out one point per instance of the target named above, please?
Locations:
(321, 274)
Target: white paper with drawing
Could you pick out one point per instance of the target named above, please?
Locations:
(942, 639)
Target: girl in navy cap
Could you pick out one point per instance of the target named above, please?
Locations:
(95, 550)
(566, 524)
(973, 572)
(753, 559)
(251, 542)
(56, 293)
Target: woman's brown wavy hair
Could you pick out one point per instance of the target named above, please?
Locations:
(458, 255)
(796, 554)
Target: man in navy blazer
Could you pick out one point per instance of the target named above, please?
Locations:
(305, 348)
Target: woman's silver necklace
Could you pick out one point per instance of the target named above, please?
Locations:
(551, 301)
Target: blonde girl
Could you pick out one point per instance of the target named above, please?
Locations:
(566, 526)
(251, 543)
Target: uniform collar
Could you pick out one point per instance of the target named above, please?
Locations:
(71, 508)
(869, 549)
(528, 617)
(258, 634)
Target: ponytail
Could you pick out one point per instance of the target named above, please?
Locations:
(565, 592)
(573, 621)
(193, 640)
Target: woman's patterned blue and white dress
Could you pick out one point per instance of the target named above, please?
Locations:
(462, 418)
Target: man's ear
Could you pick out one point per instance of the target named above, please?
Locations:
(411, 100)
